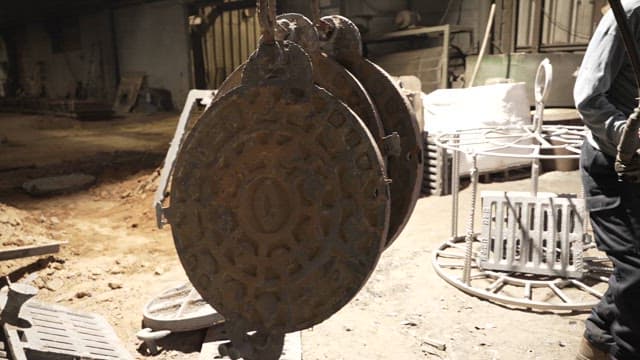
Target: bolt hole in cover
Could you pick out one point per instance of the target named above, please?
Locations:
(271, 208)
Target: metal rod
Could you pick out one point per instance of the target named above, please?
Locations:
(455, 187)
(485, 42)
(535, 174)
(587, 288)
(315, 11)
(267, 17)
(470, 226)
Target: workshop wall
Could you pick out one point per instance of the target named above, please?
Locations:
(374, 16)
(469, 13)
(378, 16)
(66, 57)
(152, 38)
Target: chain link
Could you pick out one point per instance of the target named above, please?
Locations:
(267, 18)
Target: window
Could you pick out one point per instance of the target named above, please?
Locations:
(552, 25)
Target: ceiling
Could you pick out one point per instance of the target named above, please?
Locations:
(16, 12)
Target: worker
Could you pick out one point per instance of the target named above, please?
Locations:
(605, 95)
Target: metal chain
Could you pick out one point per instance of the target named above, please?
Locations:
(267, 18)
(470, 225)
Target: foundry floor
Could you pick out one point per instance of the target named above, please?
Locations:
(116, 259)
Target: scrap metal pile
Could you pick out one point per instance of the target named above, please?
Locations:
(306, 165)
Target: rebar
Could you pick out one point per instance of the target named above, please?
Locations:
(466, 278)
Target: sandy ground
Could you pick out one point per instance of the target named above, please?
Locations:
(116, 260)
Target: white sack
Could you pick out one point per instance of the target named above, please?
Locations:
(448, 110)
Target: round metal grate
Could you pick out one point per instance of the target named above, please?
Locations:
(180, 308)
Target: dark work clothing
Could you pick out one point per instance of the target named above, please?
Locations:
(605, 94)
(605, 91)
(614, 324)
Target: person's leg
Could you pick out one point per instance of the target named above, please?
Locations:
(599, 322)
(626, 326)
(599, 181)
(626, 292)
(614, 325)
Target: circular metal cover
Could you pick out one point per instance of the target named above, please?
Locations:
(327, 73)
(279, 207)
(397, 115)
(180, 308)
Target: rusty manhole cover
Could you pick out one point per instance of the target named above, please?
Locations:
(327, 73)
(396, 113)
(280, 204)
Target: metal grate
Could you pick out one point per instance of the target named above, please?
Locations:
(437, 168)
(541, 234)
(60, 333)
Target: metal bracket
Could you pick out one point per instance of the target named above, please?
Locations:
(391, 145)
(203, 97)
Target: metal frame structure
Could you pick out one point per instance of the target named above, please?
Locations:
(460, 264)
(195, 98)
(446, 31)
(518, 289)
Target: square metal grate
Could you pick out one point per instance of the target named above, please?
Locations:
(60, 333)
(541, 234)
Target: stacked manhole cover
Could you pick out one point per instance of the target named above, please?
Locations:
(304, 168)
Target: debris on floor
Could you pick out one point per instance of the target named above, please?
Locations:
(22, 228)
(55, 185)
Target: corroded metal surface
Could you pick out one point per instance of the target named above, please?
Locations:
(343, 40)
(327, 73)
(396, 114)
(280, 204)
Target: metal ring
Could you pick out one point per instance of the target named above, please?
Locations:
(544, 76)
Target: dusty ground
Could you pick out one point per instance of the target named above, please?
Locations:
(116, 260)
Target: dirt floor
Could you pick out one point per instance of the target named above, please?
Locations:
(116, 260)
